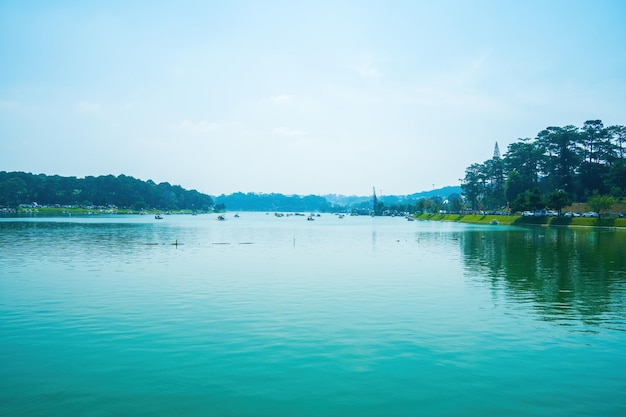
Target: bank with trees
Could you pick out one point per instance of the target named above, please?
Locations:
(559, 166)
(21, 188)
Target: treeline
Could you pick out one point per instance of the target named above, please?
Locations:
(274, 202)
(559, 166)
(104, 191)
(313, 203)
(391, 200)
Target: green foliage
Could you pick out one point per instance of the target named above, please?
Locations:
(274, 202)
(473, 185)
(122, 191)
(520, 203)
(529, 200)
(433, 204)
(516, 185)
(522, 221)
(455, 202)
(580, 161)
(600, 203)
(12, 192)
(557, 200)
(534, 199)
(615, 181)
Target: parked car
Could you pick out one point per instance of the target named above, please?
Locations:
(528, 213)
(590, 214)
(571, 214)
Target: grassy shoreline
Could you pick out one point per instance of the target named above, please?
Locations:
(526, 221)
(55, 211)
(461, 218)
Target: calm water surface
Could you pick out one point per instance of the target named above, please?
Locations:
(267, 316)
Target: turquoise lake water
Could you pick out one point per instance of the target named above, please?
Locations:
(267, 316)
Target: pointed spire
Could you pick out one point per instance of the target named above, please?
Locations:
(496, 152)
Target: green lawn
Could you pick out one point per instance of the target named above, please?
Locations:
(519, 220)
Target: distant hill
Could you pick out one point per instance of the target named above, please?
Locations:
(440, 192)
(392, 199)
(104, 191)
(127, 192)
(325, 203)
(273, 202)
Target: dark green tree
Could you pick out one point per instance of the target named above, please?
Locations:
(561, 157)
(522, 162)
(474, 184)
(13, 192)
(534, 199)
(600, 203)
(455, 202)
(495, 173)
(617, 135)
(596, 142)
(557, 200)
(121, 191)
(615, 180)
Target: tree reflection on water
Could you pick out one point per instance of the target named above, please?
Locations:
(567, 275)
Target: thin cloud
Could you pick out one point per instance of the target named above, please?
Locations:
(285, 131)
(369, 72)
(196, 127)
(88, 107)
(279, 98)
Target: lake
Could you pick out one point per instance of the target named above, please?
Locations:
(268, 316)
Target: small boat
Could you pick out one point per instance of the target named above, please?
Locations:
(237, 215)
(494, 222)
(310, 218)
(158, 217)
(221, 218)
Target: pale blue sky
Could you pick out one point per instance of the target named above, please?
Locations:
(298, 96)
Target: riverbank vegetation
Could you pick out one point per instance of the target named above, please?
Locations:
(559, 166)
(20, 190)
(525, 220)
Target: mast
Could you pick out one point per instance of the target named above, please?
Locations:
(374, 201)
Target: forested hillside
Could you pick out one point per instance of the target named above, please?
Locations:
(122, 191)
(273, 202)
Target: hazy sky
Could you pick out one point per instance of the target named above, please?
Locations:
(298, 97)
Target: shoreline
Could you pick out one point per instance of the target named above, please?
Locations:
(608, 223)
(65, 212)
